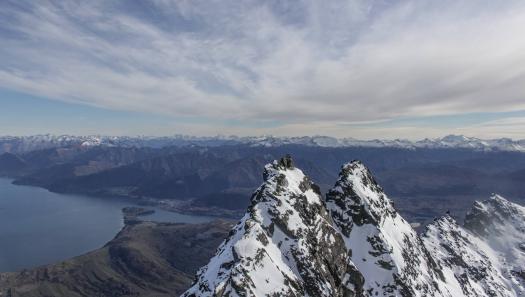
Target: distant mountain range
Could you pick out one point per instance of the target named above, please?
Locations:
(423, 182)
(22, 144)
(292, 241)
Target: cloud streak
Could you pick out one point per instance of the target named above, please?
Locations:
(302, 63)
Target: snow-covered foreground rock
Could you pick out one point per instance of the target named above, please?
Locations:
(292, 242)
(486, 257)
(385, 248)
(285, 245)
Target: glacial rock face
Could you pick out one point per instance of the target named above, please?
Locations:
(385, 248)
(285, 245)
(486, 257)
(501, 224)
(291, 242)
(465, 260)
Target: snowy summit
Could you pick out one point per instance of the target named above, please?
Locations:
(294, 242)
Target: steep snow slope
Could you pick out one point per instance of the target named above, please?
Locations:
(354, 243)
(469, 265)
(487, 256)
(285, 245)
(501, 224)
(385, 249)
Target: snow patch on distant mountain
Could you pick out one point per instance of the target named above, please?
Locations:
(21, 144)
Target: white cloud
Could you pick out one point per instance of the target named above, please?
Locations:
(510, 127)
(313, 66)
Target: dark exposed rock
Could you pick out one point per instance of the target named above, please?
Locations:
(291, 242)
(286, 233)
(385, 244)
(11, 164)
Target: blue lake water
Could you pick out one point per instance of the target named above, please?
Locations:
(39, 227)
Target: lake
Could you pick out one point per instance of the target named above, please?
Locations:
(39, 227)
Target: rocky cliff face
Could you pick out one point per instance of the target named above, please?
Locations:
(486, 257)
(385, 248)
(291, 242)
(285, 245)
(467, 268)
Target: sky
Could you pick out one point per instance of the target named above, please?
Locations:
(365, 69)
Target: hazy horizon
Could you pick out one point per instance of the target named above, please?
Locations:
(233, 136)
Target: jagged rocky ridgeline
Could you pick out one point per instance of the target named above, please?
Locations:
(292, 242)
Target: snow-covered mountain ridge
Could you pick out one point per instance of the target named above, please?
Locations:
(285, 245)
(293, 242)
(20, 144)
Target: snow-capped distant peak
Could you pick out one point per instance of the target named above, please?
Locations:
(92, 142)
(455, 138)
(29, 143)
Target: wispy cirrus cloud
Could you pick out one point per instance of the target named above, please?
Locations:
(309, 65)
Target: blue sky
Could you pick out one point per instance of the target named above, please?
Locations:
(364, 69)
(24, 114)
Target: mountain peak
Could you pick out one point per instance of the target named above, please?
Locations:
(455, 138)
(291, 242)
(384, 246)
(486, 257)
(286, 162)
(484, 217)
(284, 245)
(279, 167)
(365, 199)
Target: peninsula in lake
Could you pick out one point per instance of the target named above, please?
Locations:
(145, 259)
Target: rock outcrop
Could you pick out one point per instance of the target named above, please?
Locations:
(291, 242)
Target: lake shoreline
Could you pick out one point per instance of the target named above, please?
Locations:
(173, 205)
(64, 225)
(162, 255)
